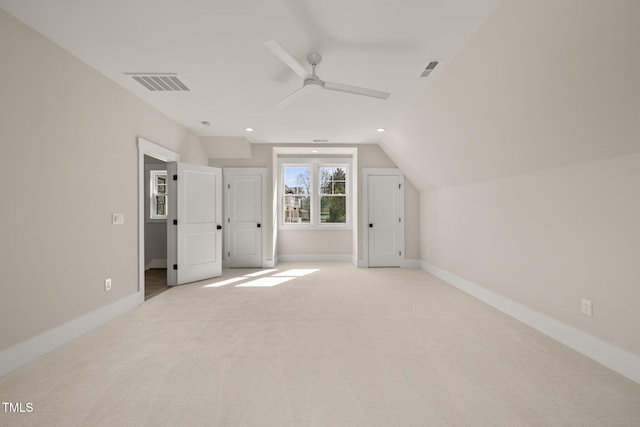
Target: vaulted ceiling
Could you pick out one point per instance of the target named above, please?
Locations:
(216, 47)
(522, 85)
(542, 84)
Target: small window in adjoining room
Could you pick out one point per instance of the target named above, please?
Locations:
(158, 195)
(297, 195)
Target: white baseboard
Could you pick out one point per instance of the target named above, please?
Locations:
(314, 258)
(614, 358)
(406, 263)
(156, 263)
(27, 351)
(268, 263)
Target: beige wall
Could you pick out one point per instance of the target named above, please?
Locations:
(315, 242)
(68, 141)
(547, 240)
(525, 149)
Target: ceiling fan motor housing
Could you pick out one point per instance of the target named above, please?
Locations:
(311, 81)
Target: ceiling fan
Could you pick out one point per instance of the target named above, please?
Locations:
(311, 82)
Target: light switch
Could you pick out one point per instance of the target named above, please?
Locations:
(117, 218)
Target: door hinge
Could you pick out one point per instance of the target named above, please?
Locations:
(175, 177)
(399, 219)
(229, 186)
(229, 220)
(175, 266)
(400, 253)
(228, 254)
(399, 186)
(175, 222)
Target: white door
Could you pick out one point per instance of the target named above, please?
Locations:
(194, 223)
(244, 219)
(384, 207)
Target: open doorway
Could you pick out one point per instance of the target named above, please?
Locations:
(152, 229)
(155, 227)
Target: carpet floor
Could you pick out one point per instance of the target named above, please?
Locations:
(317, 345)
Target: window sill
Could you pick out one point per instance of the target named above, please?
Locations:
(311, 227)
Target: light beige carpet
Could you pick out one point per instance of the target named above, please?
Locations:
(339, 346)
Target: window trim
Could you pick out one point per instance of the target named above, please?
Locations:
(315, 163)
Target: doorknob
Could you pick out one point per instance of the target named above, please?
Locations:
(370, 225)
(259, 225)
(219, 227)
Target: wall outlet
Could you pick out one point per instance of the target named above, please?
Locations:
(107, 284)
(586, 307)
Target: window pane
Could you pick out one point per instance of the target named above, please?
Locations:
(332, 180)
(161, 205)
(333, 209)
(297, 209)
(297, 180)
(297, 200)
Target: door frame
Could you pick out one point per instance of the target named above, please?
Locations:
(148, 148)
(263, 212)
(366, 173)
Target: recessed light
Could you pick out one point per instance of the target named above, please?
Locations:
(381, 129)
(249, 129)
(314, 151)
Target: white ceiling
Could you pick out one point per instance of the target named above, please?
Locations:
(216, 47)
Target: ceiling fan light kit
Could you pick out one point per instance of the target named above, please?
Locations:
(311, 82)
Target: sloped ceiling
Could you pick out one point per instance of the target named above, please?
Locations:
(542, 84)
(217, 49)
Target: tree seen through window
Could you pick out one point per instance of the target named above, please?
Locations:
(333, 200)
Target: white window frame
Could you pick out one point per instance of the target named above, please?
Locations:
(153, 192)
(314, 194)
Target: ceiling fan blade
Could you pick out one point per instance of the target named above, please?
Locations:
(356, 90)
(292, 97)
(286, 57)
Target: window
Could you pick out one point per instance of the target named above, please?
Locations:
(158, 195)
(315, 194)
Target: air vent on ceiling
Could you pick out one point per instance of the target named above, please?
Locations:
(159, 82)
(320, 140)
(429, 68)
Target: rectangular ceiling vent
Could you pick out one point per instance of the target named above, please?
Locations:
(429, 68)
(320, 140)
(159, 82)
